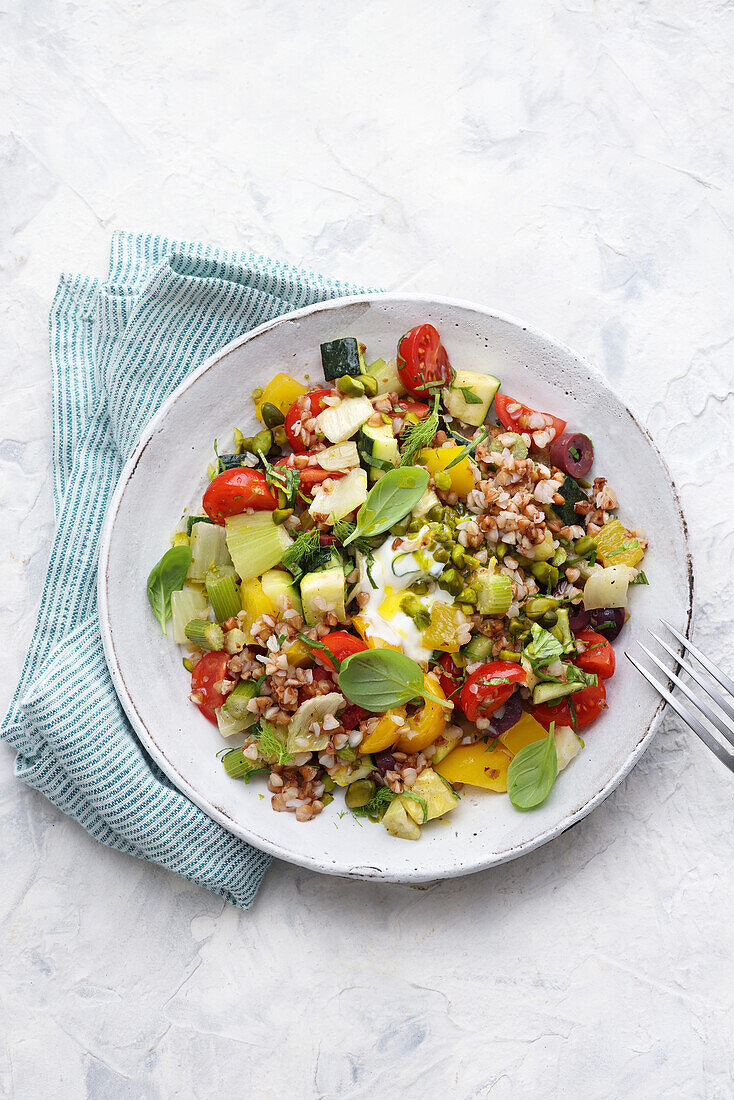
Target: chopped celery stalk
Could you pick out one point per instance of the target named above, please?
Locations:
(223, 592)
(208, 549)
(494, 593)
(236, 702)
(186, 604)
(205, 635)
(238, 766)
(255, 543)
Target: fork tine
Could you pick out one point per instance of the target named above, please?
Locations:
(702, 705)
(690, 719)
(717, 697)
(702, 659)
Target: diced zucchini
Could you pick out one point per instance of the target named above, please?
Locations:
(340, 357)
(568, 745)
(255, 543)
(235, 705)
(378, 448)
(323, 592)
(340, 422)
(344, 495)
(549, 692)
(342, 456)
(471, 395)
(300, 736)
(572, 493)
(186, 604)
(445, 744)
(278, 586)
(478, 649)
(386, 374)
(208, 549)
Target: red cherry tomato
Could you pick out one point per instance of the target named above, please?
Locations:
(310, 475)
(545, 713)
(234, 490)
(302, 409)
(342, 644)
(208, 671)
(489, 687)
(587, 704)
(351, 716)
(450, 676)
(418, 408)
(422, 359)
(516, 417)
(598, 656)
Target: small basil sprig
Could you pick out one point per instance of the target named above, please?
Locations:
(378, 679)
(391, 498)
(166, 577)
(532, 772)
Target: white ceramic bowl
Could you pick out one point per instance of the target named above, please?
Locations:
(167, 473)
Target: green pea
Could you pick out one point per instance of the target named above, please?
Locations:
(280, 515)
(414, 526)
(435, 513)
(369, 383)
(442, 480)
(537, 607)
(350, 387)
(467, 595)
(441, 554)
(271, 415)
(449, 515)
(585, 546)
(358, 794)
(443, 533)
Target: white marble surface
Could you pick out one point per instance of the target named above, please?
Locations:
(570, 163)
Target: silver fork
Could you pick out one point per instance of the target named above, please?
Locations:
(724, 728)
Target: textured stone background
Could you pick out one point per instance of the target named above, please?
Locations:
(570, 163)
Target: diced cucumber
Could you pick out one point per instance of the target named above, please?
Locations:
(378, 448)
(386, 374)
(340, 357)
(478, 649)
(572, 493)
(340, 422)
(342, 456)
(208, 549)
(186, 604)
(255, 543)
(344, 495)
(548, 692)
(471, 395)
(235, 705)
(278, 586)
(323, 592)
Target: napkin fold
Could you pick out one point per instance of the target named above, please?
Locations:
(118, 349)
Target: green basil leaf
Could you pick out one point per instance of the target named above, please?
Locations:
(469, 396)
(532, 773)
(378, 679)
(166, 577)
(389, 499)
(481, 436)
(545, 646)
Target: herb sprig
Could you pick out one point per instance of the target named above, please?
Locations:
(302, 554)
(470, 446)
(419, 435)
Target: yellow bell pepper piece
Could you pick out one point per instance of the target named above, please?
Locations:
(281, 391)
(618, 546)
(255, 604)
(426, 724)
(365, 632)
(462, 479)
(443, 631)
(385, 733)
(299, 655)
(477, 766)
(524, 732)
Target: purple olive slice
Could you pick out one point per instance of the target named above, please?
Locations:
(572, 452)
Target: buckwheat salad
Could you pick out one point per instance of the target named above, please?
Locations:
(404, 584)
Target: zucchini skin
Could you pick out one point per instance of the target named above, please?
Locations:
(340, 357)
(572, 493)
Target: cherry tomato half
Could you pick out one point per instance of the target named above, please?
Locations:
(310, 475)
(208, 671)
(597, 657)
(302, 409)
(516, 417)
(545, 713)
(489, 687)
(422, 359)
(418, 408)
(234, 490)
(587, 704)
(342, 644)
(450, 676)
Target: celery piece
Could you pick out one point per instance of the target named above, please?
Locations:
(223, 592)
(236, 702)
(238, 766)
(208, 549)
(255, 543)
(205, 635)
(494, 593)
(186, 604)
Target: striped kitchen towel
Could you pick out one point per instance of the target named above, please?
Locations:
(118, 349)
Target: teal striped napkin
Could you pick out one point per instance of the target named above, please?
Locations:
(118, 349)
